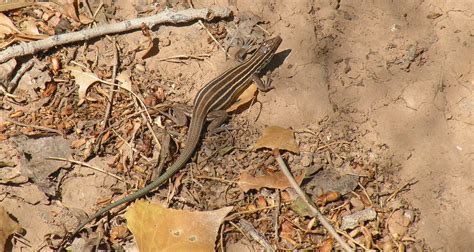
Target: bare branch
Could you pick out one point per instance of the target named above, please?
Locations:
(167, 16)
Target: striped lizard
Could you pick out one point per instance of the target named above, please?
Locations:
(213, 98)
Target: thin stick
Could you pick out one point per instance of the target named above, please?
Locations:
(88, 166)
(410, 182)
(185, 56)
(249, 229)
(5, 92)
(313, 209)
(217, 179)
(167, 16)
(25, 67)
(36, 127)
(108, 110)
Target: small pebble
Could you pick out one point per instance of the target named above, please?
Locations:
(352, 221)
(307, 159)
(140, 68)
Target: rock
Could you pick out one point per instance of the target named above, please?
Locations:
(330, 181)
(353, 220)
(307, 159)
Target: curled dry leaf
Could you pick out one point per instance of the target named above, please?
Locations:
(28, 26)
(84, 80)
(328, 197)
(7, 227)
(275, 180)
(157, 228)
(69, 8)
(244, 98)
(275, 137)
(118, 233)
(6, 26)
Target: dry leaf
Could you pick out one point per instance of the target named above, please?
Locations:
(275, 137)
(327, 198)
(6, 26)
(118, 233)
(125, 80)
(275, 180)
(70, 9)
(84, 80)
(244, 98)
(28, 26)
(7, 227)
(12, 5)
(327, 245)
(76, 144)
(157, 228)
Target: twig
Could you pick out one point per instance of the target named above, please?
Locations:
(366, 194)
(36, 127)
(88, 166)
(108, 110)
(25, 67)
(5, 92)
(311, 207)
(217, 179)
(167, 16)
(249, 229)
(410, 182)
(276, 215)
(185, 56)
(231, 217)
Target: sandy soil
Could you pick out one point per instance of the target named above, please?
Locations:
(403, 72)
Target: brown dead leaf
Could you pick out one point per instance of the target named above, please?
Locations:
(327, 245)
(244, 98)
(76, 144)
(118, 233)
(156, 228)
(50, 89)
(84, 80)
(28, 26)
(69, 9)
(275, 137)
(6, 26)
(328, 197)
(16, 114)
(12, 5)
(275, 180)
(7, 227)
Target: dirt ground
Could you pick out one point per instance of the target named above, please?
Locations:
(394, 78)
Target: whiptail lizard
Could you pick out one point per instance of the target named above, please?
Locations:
(214, 97)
